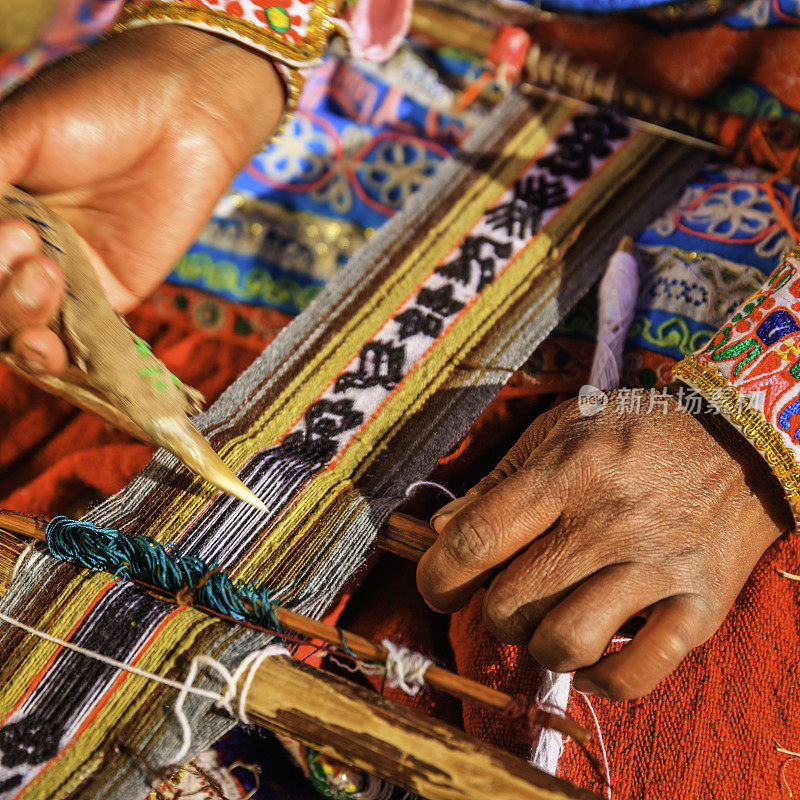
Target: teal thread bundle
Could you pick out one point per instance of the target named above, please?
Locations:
(142, 558)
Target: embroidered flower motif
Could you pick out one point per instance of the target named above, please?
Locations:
(730, 206)
(395, 167)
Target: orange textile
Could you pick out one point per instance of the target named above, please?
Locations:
(687, 63)
(55, 459)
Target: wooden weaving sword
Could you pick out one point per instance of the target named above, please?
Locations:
(113, 373)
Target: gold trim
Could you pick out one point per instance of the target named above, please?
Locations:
(736, 408)
(293, 81)
(320, 27)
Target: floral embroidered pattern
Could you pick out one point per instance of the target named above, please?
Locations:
(726, 210)
(338, 167)
(757, 355)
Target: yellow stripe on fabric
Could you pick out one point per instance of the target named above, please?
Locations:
(321, 369)
(286, 565)
(59, 621)
(444, 358)
(125, 701)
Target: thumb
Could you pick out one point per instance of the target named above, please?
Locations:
(536, 433)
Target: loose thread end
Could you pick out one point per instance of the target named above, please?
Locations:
(625, 245)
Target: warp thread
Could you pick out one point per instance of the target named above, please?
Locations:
(247, 668)
(617, 294)
(144, 559)
(411, 486)
(29, 548)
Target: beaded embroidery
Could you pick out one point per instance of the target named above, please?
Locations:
(756, 355)
(293, 31)
(738, 410)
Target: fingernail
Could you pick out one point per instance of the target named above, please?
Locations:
(18, 237)
(33, 358)
(585, 686)
(16, 241)
(32, 286)
(442, 516)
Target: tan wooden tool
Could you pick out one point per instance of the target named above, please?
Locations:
(113, 373)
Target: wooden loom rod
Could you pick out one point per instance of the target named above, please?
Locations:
(574, 78)
(584, 81)
(401, 534)
(421, 753)
(366, 650)
(404, 747)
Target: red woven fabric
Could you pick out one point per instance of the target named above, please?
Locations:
(711, 729)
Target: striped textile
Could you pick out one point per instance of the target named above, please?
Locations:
(356, 399)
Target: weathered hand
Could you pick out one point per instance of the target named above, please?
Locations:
(132, 142)
(594, 520)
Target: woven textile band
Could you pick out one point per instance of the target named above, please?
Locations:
(382, 375)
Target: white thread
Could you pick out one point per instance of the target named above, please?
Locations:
(405, 669)
(601, 742)
(180, 714)
(555, 691)
(355, 666)
(251, 664)
(411, 486)
(107, 659)
(617, 295)
(225, 700)
(22, 556)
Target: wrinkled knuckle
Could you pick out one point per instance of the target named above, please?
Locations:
(505, 620)
(474, 537)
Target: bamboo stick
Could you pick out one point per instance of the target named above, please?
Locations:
(582, 81)
(576, 79)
